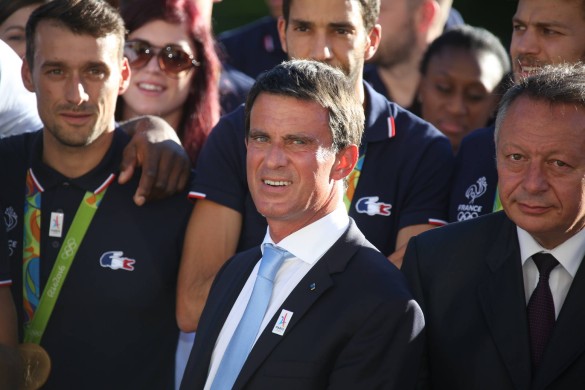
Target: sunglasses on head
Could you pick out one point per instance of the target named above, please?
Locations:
(172, 59)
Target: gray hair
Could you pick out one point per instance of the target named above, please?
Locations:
(555, 84)
(316, 82)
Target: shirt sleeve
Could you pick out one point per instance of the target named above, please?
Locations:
(428, 195)
(221, 167)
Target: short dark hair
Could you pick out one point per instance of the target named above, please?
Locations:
(370, 11)
(92, 17)
(314, 81)
(474, 39)
(555, 84)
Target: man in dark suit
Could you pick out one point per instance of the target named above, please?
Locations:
(340, 315)
(503, 294)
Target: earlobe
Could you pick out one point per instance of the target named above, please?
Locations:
(282, 33)
(26, 75)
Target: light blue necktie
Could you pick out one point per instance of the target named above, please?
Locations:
(243, 338)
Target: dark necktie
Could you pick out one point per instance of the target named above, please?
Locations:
(541, 308)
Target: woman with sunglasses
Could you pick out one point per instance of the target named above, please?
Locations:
(175, 69)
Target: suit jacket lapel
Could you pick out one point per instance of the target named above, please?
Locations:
(302, 298)
(219, 309)
(504, 305)
(567, 342)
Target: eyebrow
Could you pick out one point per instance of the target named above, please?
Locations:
(551, 23)
(20, 28)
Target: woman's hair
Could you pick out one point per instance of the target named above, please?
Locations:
(474, 39)
(8, 7)
(201, 109)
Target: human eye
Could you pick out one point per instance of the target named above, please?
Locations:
(54, 72)
(515, 157)
(96, 72)
(258, 138)
(16, 38)
(518, 27)
(443, 88)
(559, 164)
(549, 31)
(301, 27)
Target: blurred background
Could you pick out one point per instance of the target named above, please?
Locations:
(494, 15)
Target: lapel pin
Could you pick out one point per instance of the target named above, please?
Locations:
(282, 322)
(313, 286)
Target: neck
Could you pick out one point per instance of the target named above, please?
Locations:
(401, 81)
(75, 161)
(280, 228)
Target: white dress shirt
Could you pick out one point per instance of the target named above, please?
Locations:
(569, 254)
(307, 246)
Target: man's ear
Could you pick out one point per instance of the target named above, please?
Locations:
(428, 20)
(345, 162)
(125, 76)
(26, 74)
(373, 38)
(282, 33)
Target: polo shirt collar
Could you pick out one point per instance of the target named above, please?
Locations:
(47, 178)
(380, 115)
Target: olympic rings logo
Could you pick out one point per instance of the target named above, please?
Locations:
(69, 248)
(465, 215)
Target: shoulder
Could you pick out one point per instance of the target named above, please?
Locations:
(477, 231)
(368, 270)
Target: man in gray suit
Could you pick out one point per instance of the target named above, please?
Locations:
(503, 294)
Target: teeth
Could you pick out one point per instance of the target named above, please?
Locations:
(150, 87)
(277, 183)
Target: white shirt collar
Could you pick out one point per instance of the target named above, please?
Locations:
(310, 243)
(569, 254)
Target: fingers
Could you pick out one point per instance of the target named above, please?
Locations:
(129, 161)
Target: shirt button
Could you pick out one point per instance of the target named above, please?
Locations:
(55, 244)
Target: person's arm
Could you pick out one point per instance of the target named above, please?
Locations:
(211, 238)
(156, 148)
(404, 235)
(10, 362)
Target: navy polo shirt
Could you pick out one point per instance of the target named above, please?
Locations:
(405, 178)
(233, 88)
(113, 326)
(476, 178)
(255, 47)
(372, 76)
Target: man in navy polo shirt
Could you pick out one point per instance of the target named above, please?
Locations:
(255, 47)
(403, 186)
(111, 322)
(544, 33)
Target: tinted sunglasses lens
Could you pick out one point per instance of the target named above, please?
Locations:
(174, 60)
(138, 53)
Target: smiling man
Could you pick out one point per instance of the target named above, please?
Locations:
(335, 314)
